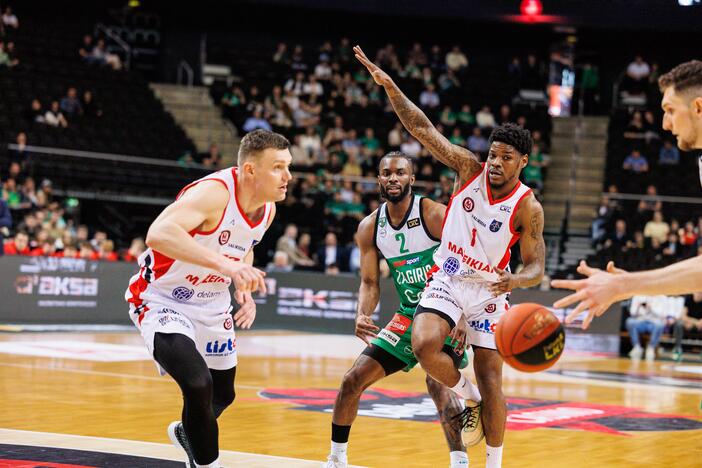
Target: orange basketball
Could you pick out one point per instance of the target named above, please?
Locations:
(529, 337)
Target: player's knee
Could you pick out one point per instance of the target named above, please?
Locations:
(353, 382)
(422, 347)
(198, 387)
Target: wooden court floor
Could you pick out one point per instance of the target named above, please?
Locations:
(591, 411)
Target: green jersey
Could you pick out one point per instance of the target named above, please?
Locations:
(408, 250)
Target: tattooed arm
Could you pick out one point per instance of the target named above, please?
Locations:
(463, 161)
(531, 243)
(530, 219)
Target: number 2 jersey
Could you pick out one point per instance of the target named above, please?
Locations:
(478, 231)
(191, 288)
(408, 250)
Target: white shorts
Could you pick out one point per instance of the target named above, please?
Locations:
(212, 333)
(454, 298)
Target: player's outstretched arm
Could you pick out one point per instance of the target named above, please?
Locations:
(532, 248)
(463, 161)
(603, 288)
(369, 290)
(199, 207)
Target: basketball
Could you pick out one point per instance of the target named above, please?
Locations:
(530, 338)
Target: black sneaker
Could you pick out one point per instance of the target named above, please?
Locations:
(177, 435)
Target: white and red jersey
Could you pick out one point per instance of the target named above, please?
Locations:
(478, 232)
(188, 287)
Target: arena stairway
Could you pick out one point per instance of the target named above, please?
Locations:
(193, 108)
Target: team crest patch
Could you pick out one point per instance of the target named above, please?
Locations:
(414, 222)
(224, 237)
(468, 204)
(382, 222)
(490, 308)
(495, 225)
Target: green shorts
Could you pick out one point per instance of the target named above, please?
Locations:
(396, 339)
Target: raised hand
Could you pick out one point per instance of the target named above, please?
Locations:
(379, 76)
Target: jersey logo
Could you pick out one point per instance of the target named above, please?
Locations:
(490, 308)
(495, 225)
(451, 266)
(224, 237)
(382, 222)
(468, 204)
(414, 222)
(506, 208)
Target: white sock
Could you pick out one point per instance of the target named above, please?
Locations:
(214, 464)
(339, 450)
(467, 389)
(459, 460)
(494, 457)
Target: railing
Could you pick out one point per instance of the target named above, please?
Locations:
(184, 68)
(119, 41)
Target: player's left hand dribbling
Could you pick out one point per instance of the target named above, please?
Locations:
(504, 283)
(459, 336)
(246, 315)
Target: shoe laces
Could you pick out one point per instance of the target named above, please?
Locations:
(468, 418)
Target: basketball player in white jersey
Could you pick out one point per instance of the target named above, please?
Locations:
(405, 230)
(179, 299)
(490, 212)
(682, 107)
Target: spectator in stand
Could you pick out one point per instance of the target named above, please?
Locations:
(691, 319)
(85, 50)
(29, 225)
(533, 177)
(103, 57)
(323, 71)
(603, 220)
(644, 318)
(54, 117)
(287, 244)
(637, 75)
(657, 228)
(106, 251)
(635, 131)
(485, 119)
(620, 238)
(429, 98)
(533, 74)
(280, 57)
(10, 20)
(456, 138)
(411, 147)
(648, 206)
(255, 122)
(687, 235)
(86, 251)
(297, 60)
(395, 136)
(35, 113)
(136, 248)
(331, 256)
(477, 143)
(90, 107)
(671, 246)
(46, 248)
(456, 61)
(19, 245)
(213, 158)
(465, 117)
(20, 154)
(7, 58)
(296, 85)
(668, 154)
(5, 221)
(69, 251)
(280, 263)
(635, 163)
(70, 104)
(313, 87)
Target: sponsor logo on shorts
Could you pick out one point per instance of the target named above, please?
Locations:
(412, 223)
(468, 204)
(389, 336)
(483, 326)
(495, 225)
(225, 348)
(172, 316)
(182, 294)
(224, 237)
(441, 297)
(490, 308)
(408, 350)
(399, 324)
(228, 323)
(451, 266)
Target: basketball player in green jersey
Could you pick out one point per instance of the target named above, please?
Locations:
(406, 231)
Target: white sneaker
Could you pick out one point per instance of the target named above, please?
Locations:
(636, 352)
(177, 435)
(650, 353)
(334, 462)
(471, 422)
